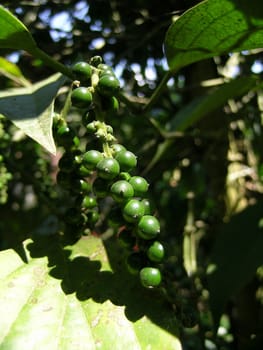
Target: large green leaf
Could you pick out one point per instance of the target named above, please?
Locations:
(30, 109)
(236, 256)
(203, 105)
(214, 27)
(73, 297)
(13, 33)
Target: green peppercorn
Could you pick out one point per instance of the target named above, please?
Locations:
(150, 277)
(148, 227)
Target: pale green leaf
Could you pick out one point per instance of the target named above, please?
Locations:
(214, 27)
(30, 109)
(13, 33)
(75, 298)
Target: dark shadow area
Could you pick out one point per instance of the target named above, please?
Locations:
(85, 277)
(31, 103)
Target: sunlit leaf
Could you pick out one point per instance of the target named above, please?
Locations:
(31, 108)
(214, 27)
(76, 298)
(13, 33)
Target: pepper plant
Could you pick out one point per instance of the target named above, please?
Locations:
(132, 206)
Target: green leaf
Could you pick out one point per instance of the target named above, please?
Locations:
(236, 256)
(31, 109)
(74, 297)
(13, 33)
(12, 71)
(214, 27)
(202, 106)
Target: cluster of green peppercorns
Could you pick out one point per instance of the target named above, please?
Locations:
(107, 174)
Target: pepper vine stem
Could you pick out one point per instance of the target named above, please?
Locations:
(158, 91)
(49, 61)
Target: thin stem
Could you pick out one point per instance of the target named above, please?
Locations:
(189, 243)
(158, 91)
(49, 61)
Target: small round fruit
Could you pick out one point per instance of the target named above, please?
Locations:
(89, 202)
(81, 97)
(85, 186)
(147, 206)
(133, 210)
(108, 85)
(155, 252)
(82, 71)
(104, 68)
(116, 147)
(135, 262)
(148, 227)
(124, 176)
(139, 184)
(96, 60)
(108, 168)
(126, 159)
(121, 191)
(150, 277)
(93, 216)
(65, 136)
(91, 158)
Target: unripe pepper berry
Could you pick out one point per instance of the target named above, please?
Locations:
(91, 158)
(126, 159)
(121, 191)
(108, 168)
(81, 97)
(133, 210)
(82, 71)
(150, 277)
(148, 227)
(108, 85)
(155, 252)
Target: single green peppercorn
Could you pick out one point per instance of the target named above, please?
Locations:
(139, 184)
(121, 191)
(116, 147)
(148, 227)
(91, 158)
(147, 206)
(81, 97)
(126, 159)
(82, 71)
(108, 168)
(155, 252)
(150, 277)
(133, 210)
(108, 85)
(89, 202)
